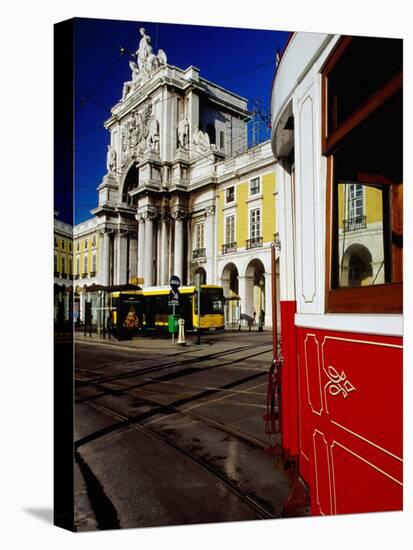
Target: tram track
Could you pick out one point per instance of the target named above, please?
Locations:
(261, 511)
(161, 366)
(171, 376)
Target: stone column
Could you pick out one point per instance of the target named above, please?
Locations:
(179, 247)
(148, 259)
(209, 243)
(105, 259)
(141, 246)
(164, 275)
(133, 255)
(121, 258)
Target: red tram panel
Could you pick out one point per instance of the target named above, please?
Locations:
(341, 406)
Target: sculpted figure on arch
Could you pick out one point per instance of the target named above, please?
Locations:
(145, 48)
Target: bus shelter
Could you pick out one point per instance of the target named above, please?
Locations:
(99, 316)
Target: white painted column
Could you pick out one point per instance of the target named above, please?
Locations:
(267, 303)
(82, 306)
(141, 247)
(164, 259)
(105, 259)
(148, 260)
(246, 293)
(179, 247)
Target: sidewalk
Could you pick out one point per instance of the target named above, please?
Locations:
(163, 341)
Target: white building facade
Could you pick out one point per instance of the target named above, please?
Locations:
(177, 141)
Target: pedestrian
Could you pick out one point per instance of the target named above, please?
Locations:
(109, 324)
(261, 320)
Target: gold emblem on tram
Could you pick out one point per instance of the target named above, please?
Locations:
(338, 383)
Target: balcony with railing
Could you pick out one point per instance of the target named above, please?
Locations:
(229, 247)
(254, 242)
(354, 223)
(198, 253)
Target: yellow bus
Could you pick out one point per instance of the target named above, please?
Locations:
(148, 309)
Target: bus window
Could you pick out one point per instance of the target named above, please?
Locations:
(212, 301)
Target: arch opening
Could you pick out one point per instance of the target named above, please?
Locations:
(230, 284)
(254, 305)
(356, 266)
(130, 184)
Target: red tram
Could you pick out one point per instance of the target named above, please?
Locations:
(337, 139)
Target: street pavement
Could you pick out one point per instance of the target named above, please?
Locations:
(169, 435)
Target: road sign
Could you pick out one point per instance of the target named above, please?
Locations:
(175, 282)
(173, 297)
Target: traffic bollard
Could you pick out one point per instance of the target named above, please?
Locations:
(181, 332)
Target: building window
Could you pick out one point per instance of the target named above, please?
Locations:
(77, 266)
(85, 245)
(94, 240)
(199, 250)
(255, 186)
(230, 194)
(94, 263)
(365, 177)
(63, 265)
(230, 229)
(255, 223)
(63, 244)
(70, 267)
(355, 200)
(199, 237)
(70, 246)
(77, 246)
(85, 265)
(230, 244)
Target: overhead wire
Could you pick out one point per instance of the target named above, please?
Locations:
(89, 96)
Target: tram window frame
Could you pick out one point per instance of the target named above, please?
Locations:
(376, 298)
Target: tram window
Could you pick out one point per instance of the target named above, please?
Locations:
(364, 144)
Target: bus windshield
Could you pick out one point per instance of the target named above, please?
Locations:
(212, 301)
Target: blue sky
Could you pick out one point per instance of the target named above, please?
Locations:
(241, 60)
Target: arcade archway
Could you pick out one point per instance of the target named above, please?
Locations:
(254, 302)
(356, 266)
(230, 284)
(201, 271)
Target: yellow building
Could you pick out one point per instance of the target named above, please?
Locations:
(246, 228)
(76, 261)
(361, 246)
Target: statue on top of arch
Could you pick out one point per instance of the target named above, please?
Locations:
(144, 64)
